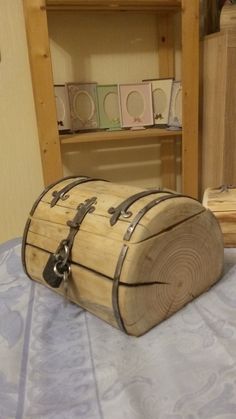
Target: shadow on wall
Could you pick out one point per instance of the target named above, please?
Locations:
(92, 49)
(137, 164)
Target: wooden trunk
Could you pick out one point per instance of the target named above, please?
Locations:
(222, 202)
(137, 256)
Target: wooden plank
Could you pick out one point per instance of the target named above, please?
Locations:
(227, 16)
(42, 80)
(168, 163)
(86, 288)
(149, 133)
(166, 46)
(219, 200)
(229, 173)
(219, 110)
(51, 225)
(223, 204)
(213, 109)
(231, 34)
(190, 82)
(167, 69)
(113, 4)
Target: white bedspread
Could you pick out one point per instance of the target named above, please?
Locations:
(60, 362)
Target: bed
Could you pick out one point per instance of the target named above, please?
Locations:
(58, 361)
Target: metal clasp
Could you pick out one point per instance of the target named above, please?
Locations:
(122, 209)
(82, 210)
(58, 266)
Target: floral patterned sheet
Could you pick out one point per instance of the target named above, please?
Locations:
(57, 361)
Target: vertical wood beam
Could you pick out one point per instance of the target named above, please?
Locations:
(166, 52)
(167, 69)
(190, 82)
(42, 81)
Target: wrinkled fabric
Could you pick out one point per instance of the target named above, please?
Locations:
(58, 361)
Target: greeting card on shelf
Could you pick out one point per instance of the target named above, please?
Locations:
(83, 105)
(135, 100)
(175, 116)
(161, 96)
(62, 108)
(108, 106)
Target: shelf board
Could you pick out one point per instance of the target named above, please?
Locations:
(159, 5)
(150, 133)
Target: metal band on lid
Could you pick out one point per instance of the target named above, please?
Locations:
(145, 209)
(62, 193)
(32, 213)
(47, 189)
(121, 210)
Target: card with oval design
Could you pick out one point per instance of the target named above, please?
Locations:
(161, 96)
(135, 101)
(108, 106)
(83, 105)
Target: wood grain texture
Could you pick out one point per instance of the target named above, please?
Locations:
(183, 262)
(114, 4)
(166, 56)
(149, 133)
(214, 84)
(223, 205)
(190, 91)
(228, 17)
(112, 195)
(168, 163)
(86, 288)
(174, 254)
(219, 110)
(42, 80)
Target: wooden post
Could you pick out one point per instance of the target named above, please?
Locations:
(167, 69)
(42, 81)
(190, 80)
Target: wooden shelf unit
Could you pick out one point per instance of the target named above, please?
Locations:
(42, 79)
(89, 137)
(159, 5)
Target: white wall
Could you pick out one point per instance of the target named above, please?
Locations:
(20, 167)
